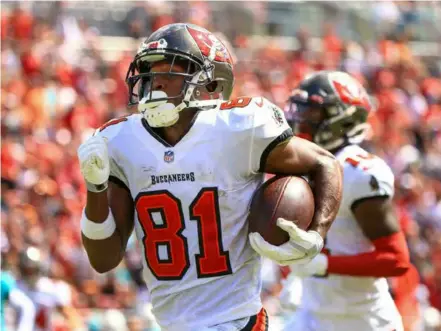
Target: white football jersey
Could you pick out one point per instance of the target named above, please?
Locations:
(191, 204)
(364, 176)
(47, 295)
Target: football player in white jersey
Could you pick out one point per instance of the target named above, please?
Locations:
(344, 287)
(182, 173)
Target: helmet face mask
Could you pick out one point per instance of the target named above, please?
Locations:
(307, 120)
(327, 117)
(141, 78)
(195, 57)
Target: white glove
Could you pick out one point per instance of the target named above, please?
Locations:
(317, 267)
(94, 163)
(302, 246)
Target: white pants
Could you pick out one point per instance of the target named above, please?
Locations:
(304, 320)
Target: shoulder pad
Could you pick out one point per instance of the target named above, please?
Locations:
(368, 176)
(256, 126)
(245, 113)
(111, 128)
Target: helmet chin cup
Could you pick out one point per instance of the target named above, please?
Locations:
(158, 113)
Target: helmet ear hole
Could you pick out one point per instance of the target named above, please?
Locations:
(348, 125)
(212, 86)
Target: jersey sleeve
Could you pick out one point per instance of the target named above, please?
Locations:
(110, 131)
(369, 179)
(270, 128)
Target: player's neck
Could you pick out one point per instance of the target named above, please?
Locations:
(173, 134)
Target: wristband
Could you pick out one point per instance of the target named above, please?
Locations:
(97, 188)
(98, 231)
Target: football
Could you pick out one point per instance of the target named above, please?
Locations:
(289, 197)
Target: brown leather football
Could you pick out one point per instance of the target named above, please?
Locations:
(289, 197)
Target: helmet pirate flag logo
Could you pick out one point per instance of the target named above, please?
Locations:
(210, 46)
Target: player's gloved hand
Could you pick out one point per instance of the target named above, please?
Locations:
(94, 163)
(301, 248)
(318, 266)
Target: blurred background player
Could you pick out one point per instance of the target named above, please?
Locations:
(51, 296)
(19, 301)
(345, 286)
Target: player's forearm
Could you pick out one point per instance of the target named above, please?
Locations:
(390, 258)
(105, 254)
(97, 206)
(327, 193)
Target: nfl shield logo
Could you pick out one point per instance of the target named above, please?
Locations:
(169, 156)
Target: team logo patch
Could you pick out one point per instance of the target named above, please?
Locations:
(169, 156)
(207, 41)
(350, 90)
(277, 116)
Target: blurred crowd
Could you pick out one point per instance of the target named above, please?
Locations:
(56, 87)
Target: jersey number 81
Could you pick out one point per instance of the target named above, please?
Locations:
(212, 261)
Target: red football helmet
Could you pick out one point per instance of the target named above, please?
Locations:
(331, 109)
(208, 78)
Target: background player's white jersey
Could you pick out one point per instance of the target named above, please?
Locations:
(191, 207)
(364, 176)
(48, 296)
